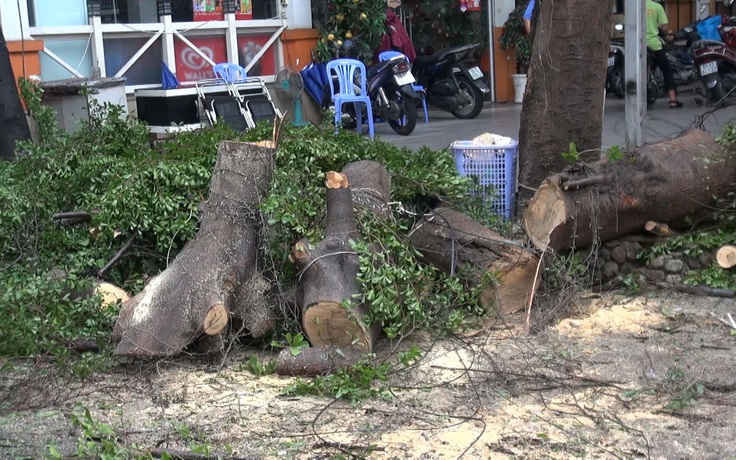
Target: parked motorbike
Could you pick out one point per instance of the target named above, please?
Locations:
(392, 95)
(615, 71)
(393, 98)
(716, 64)
(616, 80)
(452, 81)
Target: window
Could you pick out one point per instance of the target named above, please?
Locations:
(50, 13)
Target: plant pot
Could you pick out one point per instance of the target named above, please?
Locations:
(519, 87)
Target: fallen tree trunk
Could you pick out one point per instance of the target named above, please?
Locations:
(458, 245)
(726, 256)
(668, 182)
(329, 269)
(195, 294)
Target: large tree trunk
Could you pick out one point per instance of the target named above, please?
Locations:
(196, 293)
(674, 182)
(456, 244)
(330, 268)
(12, 116)
(564, 99)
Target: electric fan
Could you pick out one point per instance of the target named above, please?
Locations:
(290, 85)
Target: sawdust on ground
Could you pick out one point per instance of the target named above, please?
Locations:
(652, 376)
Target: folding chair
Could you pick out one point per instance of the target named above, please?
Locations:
(385, 56)
(250, 92)
(350, 73)
(218, 106)
(256, 100)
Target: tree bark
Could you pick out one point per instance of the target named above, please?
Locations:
(570, 44)
(673, 181)
(329, 269)
(456, 244)
(196, 294)
(726, 256)
(12, 117)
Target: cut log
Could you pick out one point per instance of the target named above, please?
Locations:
(195, 294)
(329, 269)
(456, 244)
(673, 181)
(726, 256)
(108, 292)
(659, 229)
(317, 361)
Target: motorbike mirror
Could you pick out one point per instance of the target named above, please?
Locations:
(727, 2)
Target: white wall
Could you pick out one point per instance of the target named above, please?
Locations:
(14, 21)
(299, 14)
(501, 10)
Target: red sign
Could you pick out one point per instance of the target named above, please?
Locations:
(191, 66)
(249, 46)
(211, 10)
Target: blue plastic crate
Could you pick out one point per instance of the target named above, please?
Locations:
(493, 165)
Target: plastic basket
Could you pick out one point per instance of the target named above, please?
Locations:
(492, 165)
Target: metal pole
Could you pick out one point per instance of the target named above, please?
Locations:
(635, 59)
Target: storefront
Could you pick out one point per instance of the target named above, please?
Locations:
(60, 39)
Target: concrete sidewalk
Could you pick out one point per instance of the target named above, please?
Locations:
(503, 119)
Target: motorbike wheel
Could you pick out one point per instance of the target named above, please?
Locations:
(617, 81)
(652, 89)
(406, 123)
(474, 95)
(659, 78)
(718, 94)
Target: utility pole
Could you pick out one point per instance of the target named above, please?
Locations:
(12, 117)
(635, 72)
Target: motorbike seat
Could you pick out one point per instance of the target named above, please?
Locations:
(422, 62)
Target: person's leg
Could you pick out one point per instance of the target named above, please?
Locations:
(660, 58)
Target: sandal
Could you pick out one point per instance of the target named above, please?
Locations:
(676, 104)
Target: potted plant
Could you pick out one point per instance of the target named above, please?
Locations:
(513, 36)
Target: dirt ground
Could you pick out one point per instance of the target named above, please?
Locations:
(651, 376)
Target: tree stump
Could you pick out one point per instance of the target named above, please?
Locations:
(196, 294)
(673, 181)
(456, 244)
(329, 269)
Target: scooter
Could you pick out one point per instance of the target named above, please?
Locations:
(392, 95)
(616, 80)
(716, 64)
(681, 63)
(393, 98)
(452, 81)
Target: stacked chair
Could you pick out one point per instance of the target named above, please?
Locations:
(243, 103)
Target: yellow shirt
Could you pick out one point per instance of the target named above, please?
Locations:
(656, 17)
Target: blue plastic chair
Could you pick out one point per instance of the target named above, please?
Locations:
(350, 72)
(385, 56)
(229, 72)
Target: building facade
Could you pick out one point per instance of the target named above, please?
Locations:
(60, 39)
